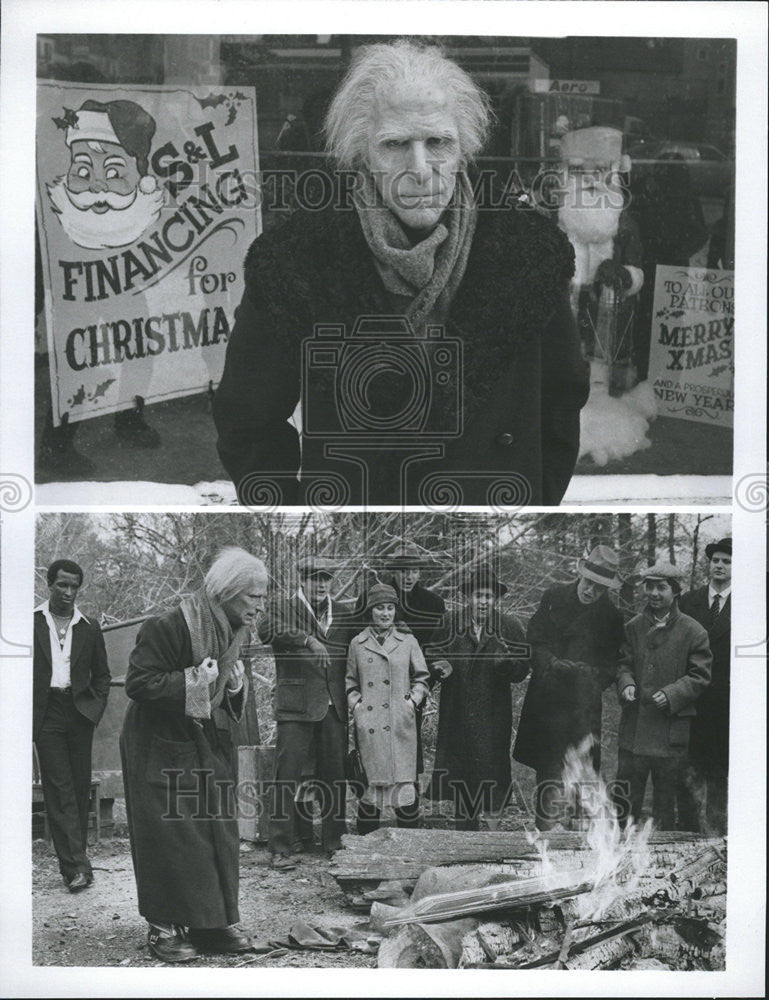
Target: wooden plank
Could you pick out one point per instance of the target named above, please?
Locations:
(392, 853)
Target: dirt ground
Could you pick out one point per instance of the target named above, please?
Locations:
(101, 926)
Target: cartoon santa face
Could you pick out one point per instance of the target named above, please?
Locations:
(107, 198)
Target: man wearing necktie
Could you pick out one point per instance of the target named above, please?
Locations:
(70, 688)
(310, 712)
(703, 795)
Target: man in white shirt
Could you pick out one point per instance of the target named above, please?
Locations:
(70, 688)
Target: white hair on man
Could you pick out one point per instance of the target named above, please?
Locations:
(232, 572)
(374, 70)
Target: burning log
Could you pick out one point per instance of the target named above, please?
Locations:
(400, 854)
(506, 895)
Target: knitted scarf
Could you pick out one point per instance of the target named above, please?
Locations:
(212, 635)
(429, 273)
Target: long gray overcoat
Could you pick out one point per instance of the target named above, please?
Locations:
(380, 679)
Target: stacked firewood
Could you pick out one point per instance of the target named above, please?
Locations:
(499, 900)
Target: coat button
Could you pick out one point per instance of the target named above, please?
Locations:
(370, 708)
(386, 681)
(505, 439)
(371, 659)
(385, 704)
(386, 729)
(371, 731)
(370, 684)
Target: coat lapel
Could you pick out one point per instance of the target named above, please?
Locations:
(43, 636)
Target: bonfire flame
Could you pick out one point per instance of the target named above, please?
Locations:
(618, 858)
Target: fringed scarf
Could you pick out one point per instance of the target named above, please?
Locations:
(429, 273)
(211, 635)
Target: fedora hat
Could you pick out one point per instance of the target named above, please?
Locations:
(405, 556)
(722, 545)
(381, 593)
(600, 566)
(483, 578)
(315, 566)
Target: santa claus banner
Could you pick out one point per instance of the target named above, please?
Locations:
(691, 364)
(147, 201)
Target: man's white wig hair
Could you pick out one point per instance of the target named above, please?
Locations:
(232, 572)
(374, 70)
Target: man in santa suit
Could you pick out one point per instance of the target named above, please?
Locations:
(607, 247)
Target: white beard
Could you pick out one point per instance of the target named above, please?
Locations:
(591, 222)
(113, 228)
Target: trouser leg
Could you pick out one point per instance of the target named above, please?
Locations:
(368, 818)
(331, 748)
(630, 785)
(718, 799)
(407, 817)
(665, 773)
(550, 800)
(293, 744)
(690, 795)
(64, 752)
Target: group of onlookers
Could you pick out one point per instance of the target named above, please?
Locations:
(367, 670)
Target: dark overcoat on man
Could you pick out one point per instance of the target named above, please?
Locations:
(178, 774)
(709, 738)
(673, 658)
(518, 362)
(575, 651)
(310, 705)
(63, 724)
(475, 717)
(422, 610)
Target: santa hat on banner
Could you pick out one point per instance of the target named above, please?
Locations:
(596, 148)
(122, 122)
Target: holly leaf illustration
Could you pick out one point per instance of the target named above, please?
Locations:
(79, 397)
(212, 101)
(101, 389)
(68, 120)
(232, 114)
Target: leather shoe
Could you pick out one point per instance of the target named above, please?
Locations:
(170, 947)
(283, 862)
(79, 882)
(221, 940)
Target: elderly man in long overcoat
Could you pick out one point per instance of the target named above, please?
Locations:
(575, 637)
(478, 655)
(310, 711)
(706, 780)
(178, 769)
(665, 667)
(484, 381)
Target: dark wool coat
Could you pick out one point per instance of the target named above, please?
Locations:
(89, 672)
(422, 611)
(475, 717)
(182, 823)
(575, 652)
(518, 364)
(302, 689)
(675, 659)
(709, 742)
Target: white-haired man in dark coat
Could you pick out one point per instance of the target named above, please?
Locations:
(424, 332)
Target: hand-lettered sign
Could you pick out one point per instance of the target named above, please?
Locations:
(147, 201)
(691, 363)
